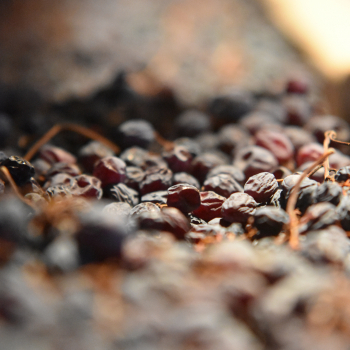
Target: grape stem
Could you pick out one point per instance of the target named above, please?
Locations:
(71, 127)
(290, 209)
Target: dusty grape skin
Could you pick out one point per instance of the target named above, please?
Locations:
(231, 170)
(89, 154)
(156, 179)
(328, 192)
(254, 159)
(223, 184)
(87, 186)
(110, 170)
(143, 207)
(203, 163)
(261, 186)
(318, 216)
(270, 221)
(60, 167)
(122, 193)
(238, 208)
(277, 143)
(342, 174)
(20, 169)
(179, 159)
(52, 155)
(159, 197)
(210, 207)
(180, 178)
(184, 197)
(309, 152)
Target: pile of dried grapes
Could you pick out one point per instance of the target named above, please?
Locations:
(136, 223)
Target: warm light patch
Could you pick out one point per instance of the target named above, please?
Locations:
(320, 27)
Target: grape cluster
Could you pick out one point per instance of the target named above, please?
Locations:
(176, 234)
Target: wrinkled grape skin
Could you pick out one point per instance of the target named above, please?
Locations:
(255, 159)
(238, 208)
(210, 207)
(179, 159)
(156, 179)
(270, 221)
(110, 170)
(261, 186)
(223, 184)
(184, 197)
(277, 143)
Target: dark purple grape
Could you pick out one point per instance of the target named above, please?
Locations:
(190, 144)
(159, 197)
(236, 173)
(100, 236)
(59, 168)
(176, 222)
(328, 192)
(232, 105)
(204, 232)
(142, 208)
(297, 86)
(232, 137)
(309, 153)
(326, 246)
(60, 180)
(118, 208)
(89, 154)
(223, 184)
(169, 219)
(270, 221)
(202, 164)
(179, 159)
(238, 207)
(342, 174)
(134, 156)
(122, 193)
(277, 143)
(52, 155)
(298, 109)
(21, 170)
(194, 220)
(318, 216)
(207, 142)
(298, 136)
(134, 175)
(343, 210)
(156, 179)
(261, 186)
(274, 108)
(110, 170)
(281, 172)
(210, 207)
(58, 192)
(255, 120)
(255, 159)
(306, 191)
(185, 178)
(184, 197)
(191, 123)
(87, 186)
(136, 132)
(14, 217)
(153, 160)
(319, 124)
(277, 200)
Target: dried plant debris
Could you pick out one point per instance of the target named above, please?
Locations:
(141, 242)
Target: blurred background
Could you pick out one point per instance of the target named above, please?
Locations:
(195, 48)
